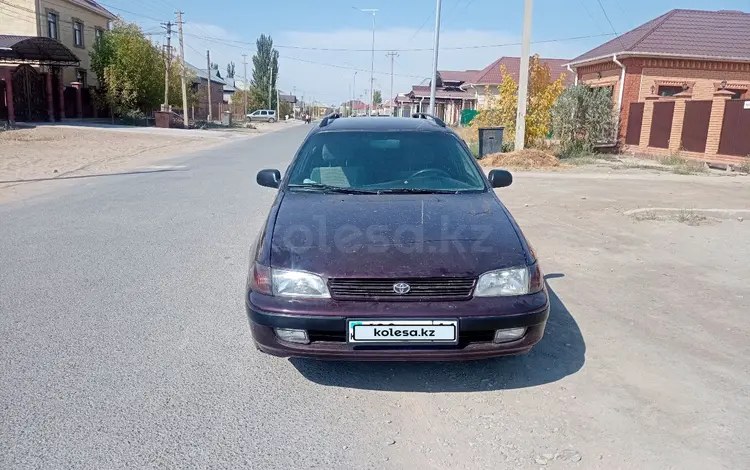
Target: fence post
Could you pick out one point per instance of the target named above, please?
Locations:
(648, 117)
(717, 120)
(678, 120)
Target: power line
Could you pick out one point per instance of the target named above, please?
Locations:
(422, 49)
(610, 23)
(130, 12)
(588, 12)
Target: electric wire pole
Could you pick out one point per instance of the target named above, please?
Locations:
(185, 122)
(392, 55)
(270, 83)
(168, 61)
(523, 75)
(244, 82)
(435, 49)
(209, 118)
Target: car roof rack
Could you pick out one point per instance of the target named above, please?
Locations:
(327, 120)
(434, 119)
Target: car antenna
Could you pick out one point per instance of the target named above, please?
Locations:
(432, 118)
(327, 120)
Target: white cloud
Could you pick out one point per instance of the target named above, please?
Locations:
(302, 69)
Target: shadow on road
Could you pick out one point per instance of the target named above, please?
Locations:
(560, 353)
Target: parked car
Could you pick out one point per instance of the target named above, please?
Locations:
(267, 115)
(386, 241)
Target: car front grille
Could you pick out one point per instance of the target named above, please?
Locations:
(419, 289)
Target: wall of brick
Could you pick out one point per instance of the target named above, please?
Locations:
(703, 76)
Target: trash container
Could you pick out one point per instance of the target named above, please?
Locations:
(490, 140)
(226, 118)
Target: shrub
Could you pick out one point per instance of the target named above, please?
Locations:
(582, 117)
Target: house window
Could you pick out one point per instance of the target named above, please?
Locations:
(738, 94)
(81, 76)
(98, 33)
(669, 90)
(52, 25)
(77, 33)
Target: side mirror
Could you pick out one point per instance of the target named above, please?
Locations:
(500, 178)
(269, 178)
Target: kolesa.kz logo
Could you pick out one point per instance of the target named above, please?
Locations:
(390, 332)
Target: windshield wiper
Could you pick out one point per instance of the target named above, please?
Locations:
(328, 188)
(417, 191)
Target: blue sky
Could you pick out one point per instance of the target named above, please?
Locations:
(301, 27)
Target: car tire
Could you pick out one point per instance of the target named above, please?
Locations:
(271, 120)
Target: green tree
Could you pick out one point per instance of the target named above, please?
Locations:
(130, 69)
(265, 70)
(377, 97)
(230, 70)
(581, 117)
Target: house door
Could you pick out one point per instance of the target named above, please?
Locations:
(29, 94)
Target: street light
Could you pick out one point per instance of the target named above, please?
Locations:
(372, 59)
(435, 47)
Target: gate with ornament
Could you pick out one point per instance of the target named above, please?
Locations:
(29, 94)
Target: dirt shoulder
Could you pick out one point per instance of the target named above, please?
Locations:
(32, 157)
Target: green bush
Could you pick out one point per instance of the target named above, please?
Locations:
(582, 117)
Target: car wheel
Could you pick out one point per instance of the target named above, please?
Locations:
(271, 120)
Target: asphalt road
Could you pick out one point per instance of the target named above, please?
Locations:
(124, 342)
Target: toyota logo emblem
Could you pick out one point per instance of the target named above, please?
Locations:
(401, 288)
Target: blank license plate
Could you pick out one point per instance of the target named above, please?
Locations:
(403, 331)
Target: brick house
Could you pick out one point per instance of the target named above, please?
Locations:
(46, 49)
(200, 85)
(490, 76)
(682, 57)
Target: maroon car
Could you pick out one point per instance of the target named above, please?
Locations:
(387, 242)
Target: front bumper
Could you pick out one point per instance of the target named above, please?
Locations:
(327, 326)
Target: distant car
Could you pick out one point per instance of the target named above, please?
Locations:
(266, 115)
(386, 241)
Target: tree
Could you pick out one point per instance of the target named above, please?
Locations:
(215, 68)
(502, 111)
(581, 117)
(131, 70)
(230, 70)
(377, 97)
(265, 70)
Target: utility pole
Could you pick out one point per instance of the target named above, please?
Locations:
(277, 104)
(168, 58)
(523, 75)
(244, 82)
(435, 48)
(208, 69)
(185, 122)
(270, 84)
(392, 55)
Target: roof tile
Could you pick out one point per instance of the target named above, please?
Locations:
(490, 75)
(719, 34)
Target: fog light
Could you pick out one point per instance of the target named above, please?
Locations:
(292, 336)
(511, 334)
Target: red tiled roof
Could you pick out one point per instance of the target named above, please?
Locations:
(490, 75)
(419, 91)
(684, 33)
(457, 75)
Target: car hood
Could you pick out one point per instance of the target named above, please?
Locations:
(389, 235)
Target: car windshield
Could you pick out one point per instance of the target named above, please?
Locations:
(410, 162)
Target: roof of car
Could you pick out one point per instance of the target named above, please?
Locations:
(380, 123)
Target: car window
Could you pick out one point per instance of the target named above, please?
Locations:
(264, 113)
(399, 160)
(255, 113)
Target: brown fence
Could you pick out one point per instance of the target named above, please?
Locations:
(635, 121)
(735, 133)
(661, 125)
(695, 125)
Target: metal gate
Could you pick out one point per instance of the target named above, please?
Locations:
(29, 94)
(3, 105)
(735, 138)
(635, 121)
(57, 105)
(661, 125)
(695, 125)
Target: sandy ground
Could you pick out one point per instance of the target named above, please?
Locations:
(29, 157)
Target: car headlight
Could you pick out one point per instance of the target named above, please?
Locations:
(287, 283)
(504, 282)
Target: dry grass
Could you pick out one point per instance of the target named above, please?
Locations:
(527, 159)
(468, 134)
(682, 165)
